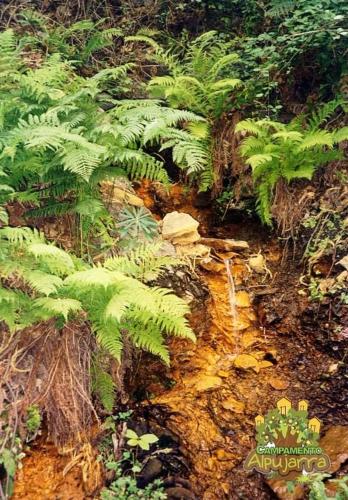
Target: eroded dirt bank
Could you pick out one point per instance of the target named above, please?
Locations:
(239, 367)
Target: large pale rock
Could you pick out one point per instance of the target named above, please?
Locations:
(186, 239)
(224, 245)
(193, 250)
(180, 225)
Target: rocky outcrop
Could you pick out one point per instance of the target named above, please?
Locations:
(181, 230)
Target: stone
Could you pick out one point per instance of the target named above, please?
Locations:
(180, 493)
(342, 277)
(245, 361)
(223, 245)
(232, 404)
(123, 196)
(192, 250)
(242, 299)
(167, 250)
(251, 337)
(186, 239)
(257, 263)
(265, 364)
(150, 471)
(344, 262)
(278, 384)
(212, 265)
(207, 382)
(326, 285)
(178, 224)
(118, 194)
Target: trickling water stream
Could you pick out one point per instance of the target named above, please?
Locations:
(231, 291)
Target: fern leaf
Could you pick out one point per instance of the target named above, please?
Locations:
(340, 135)
(54, 258)
(316, 138)
(43, 282)
(58, 307)
(104, 387)
(259, 159)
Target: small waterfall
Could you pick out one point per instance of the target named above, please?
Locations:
(231, 291)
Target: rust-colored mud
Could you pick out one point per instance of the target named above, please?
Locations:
(213, 403)
(49, 475)
(236, 370)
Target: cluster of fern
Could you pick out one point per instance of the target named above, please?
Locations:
(275, 151)
(40, 281)
(61, 134)
(202, 79)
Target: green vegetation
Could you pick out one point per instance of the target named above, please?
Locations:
(245, 99)
(114, 296)
(291, 151)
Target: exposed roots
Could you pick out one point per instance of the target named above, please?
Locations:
(48, 367)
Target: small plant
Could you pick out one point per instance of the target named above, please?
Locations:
(136, 223)
(124, 487)
(33, 421)
(143, 441)
(11, 456)
(316, 486)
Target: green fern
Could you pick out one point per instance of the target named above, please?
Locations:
(114, 297)
(103, 386)
(278, 151)
(200, 80)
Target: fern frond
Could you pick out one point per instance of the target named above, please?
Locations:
(322, 114)
(316, 138)
(109, 337)
(58, 307)
(104, 387)
(57, 261)
(340, 135)
(42, 282)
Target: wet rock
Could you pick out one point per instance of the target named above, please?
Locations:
(225, 245)
(251, 337)
(245, 362)
(186, 239)
(257, 263)
(277, 383)
(117, 193)
(167, 249)
(233, 405)
(242, 299)
(178, 225)
(212, 265)
(150, 471)
(206, 382)
(185, 284)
